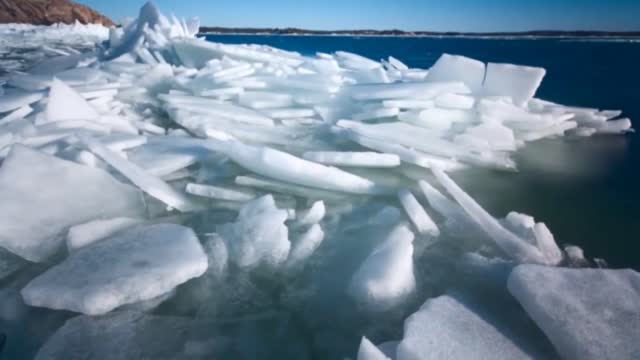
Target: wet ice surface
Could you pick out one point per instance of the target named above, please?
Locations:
(168, 197)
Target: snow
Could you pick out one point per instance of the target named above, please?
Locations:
(138, 264)
(586, 313)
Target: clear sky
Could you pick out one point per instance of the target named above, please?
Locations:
(433, 15)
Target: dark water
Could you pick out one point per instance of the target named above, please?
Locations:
(585, 190)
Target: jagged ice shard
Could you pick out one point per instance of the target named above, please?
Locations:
(277, 194)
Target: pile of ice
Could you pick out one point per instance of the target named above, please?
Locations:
(158, 157)
(23, 45)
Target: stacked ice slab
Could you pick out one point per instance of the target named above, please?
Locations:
(112, 158)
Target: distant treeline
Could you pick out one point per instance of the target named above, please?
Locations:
(296, 31)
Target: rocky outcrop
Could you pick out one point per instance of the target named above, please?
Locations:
(47, 12)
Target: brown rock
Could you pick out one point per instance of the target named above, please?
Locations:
(47, 12)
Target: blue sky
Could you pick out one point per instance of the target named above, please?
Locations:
(435, 15)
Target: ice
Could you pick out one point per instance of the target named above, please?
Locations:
(445, 328)
(287, 188)
(498, 136)
(67, 105)
(306, 245)
(313, 215)
(518, 82)
(291, 168)
(134, 33)
(86, 234)
(619, 126)
(419, 217)
(17, 99)
(138, 264)
(586, 313)
(359, 159)
(454, 101)
(513, 245)
(220, 193)
(452, 68)
(286, 167)
(147, 182)
(76, 193)
(385, 279)
(368, 351)
(9, 263)
(409, 90)
(16, 114)
(121, 335)
(259, 235)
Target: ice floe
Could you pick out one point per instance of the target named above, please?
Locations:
(132, 266)
(144, 166)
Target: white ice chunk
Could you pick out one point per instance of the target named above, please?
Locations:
(146, 182)
(586, 313)
(455, 101)
(497, 135)
(259, 235)
(16, 114)
(85, 234)
(386, 277)
(418, 216)
(359, 159)
(306, 245)
(513, 245)
(313, 215)
(41, 196)
(120, 335)
(619, 126)
(138, 264)
(368, 351)
(458, 68)
(518, 82)
(15, 100)
(220, 193)
(286, 167)
(65, 104)
(444, 328)
(409, 90)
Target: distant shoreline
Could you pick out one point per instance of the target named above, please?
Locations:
(427, 34)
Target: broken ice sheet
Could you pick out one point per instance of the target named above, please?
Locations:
(122, 335)
(586, 313)
(41, 196)
(132, 266)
